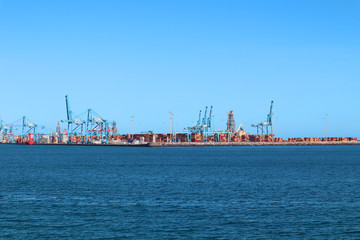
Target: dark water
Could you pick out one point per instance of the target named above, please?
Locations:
(54, 192)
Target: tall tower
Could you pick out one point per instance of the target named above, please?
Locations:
(58, 129)
(230, 125)
(114, 128)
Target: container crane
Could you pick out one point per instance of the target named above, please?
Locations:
(204, 118)
(23, 123)
(264, 126)
(208, 124)
(199, 121)
(269, 118)
(96, 126)
(197, 127)
(75, 124)
(257, 126)
(203, 125)
(28, 127)
(209, 120)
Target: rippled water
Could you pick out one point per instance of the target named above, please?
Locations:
(65, 192)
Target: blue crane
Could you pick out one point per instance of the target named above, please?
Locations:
(197, 127)
(28, 127)
(264, 126)
(269, 117)
(97, 126)
(207, 125)
(75, 124)
(204, 118)
(203, 125)
(209, 120)
(94, 125)
(199, 121)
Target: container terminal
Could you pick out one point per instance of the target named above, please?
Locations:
(90, 128)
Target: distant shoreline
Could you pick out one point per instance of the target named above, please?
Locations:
(201, 144)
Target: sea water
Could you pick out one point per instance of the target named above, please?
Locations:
(77, 192)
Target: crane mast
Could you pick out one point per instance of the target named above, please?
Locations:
(264, 126)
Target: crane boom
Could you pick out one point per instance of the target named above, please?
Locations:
(269, 117)
(204, 119)
(68, 111)
(199, 121)
(209, 118)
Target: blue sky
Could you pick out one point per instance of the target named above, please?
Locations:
(146, 58)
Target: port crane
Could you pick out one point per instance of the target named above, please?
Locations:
(199, 121)
(209, 119)
(197, 127)
(204, 118)
(96, 126)
(24, 123)
(263, 127)
(207, 124)
(75, 124)
(269, 118)
(28, 127)
(93, 127)
(203, 125)
(7, 133)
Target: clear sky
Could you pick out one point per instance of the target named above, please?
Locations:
(146, 58)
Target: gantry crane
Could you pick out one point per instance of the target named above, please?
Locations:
(269, 118)
(263, 127)
(75, 124)
(28, 127)
(93, 126)
(97, 126)
(199, 120)
(209, 119)
(203, 125)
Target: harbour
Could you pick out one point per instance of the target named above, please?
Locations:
(90, 128)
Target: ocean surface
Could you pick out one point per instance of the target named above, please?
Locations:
(66, 192)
